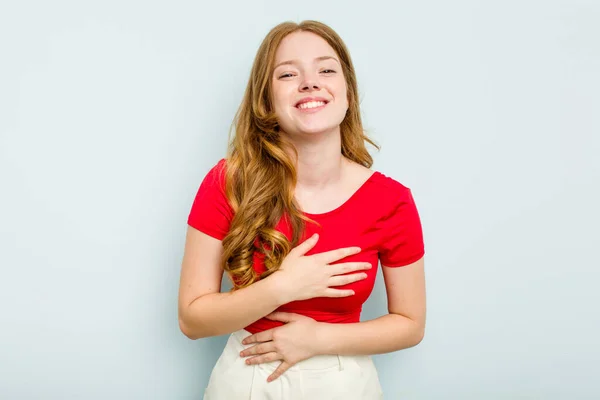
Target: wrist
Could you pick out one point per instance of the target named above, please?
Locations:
(322, 345)
(279, 286)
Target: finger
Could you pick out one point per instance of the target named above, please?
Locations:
(338, 292)
(257, 349)
(264, 358)
(263, 336)
(284, 317)
(284, 366)
(305, 246)
(337, 254)
(344, 268)
(341, 280)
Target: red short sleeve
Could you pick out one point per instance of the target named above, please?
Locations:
(402, 233)
(211, 212)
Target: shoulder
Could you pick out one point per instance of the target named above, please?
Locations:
(377, 179)
(219, 167)
(389, 184)
(216, 174)
(213, 182)
(211, 212)
(393, 198)
(389, 189)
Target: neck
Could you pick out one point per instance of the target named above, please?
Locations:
(320, 162)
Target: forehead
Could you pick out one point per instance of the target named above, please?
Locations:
(303, 46)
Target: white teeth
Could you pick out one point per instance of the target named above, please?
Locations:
(311, 104)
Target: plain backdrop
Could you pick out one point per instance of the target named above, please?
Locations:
(112, 112)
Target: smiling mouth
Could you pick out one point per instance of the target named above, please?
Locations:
(311, 104)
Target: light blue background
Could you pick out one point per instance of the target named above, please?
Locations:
(112, 112)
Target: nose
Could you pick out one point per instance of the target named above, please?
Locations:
(309, 83)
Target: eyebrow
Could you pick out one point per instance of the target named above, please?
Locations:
(291, 62)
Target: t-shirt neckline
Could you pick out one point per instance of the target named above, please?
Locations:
(344, 204)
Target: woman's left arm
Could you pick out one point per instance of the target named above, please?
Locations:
(403, 327)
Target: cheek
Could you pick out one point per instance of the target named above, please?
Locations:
(275, 97)
(346, 100)
(280, 98)
(342, 92)
(343, 96)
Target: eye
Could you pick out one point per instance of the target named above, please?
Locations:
(286, 75)
(328, 71)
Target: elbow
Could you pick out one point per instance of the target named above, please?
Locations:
(413, 333)
(185, 329)
(419, 334)
(188, 325)
(410, 333)
(191, 331)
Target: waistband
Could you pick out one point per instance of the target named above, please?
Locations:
(319, 362)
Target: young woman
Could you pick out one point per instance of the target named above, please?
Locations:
(299, 221)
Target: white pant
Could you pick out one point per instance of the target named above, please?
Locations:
(323, 377)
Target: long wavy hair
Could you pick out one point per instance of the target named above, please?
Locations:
(260, 174)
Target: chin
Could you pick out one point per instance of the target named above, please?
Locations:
(316, 130)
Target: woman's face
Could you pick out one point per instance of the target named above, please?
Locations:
(308, 85)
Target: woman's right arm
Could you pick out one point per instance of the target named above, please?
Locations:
(203, 310)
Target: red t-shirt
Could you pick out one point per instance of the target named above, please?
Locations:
(380, 217)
